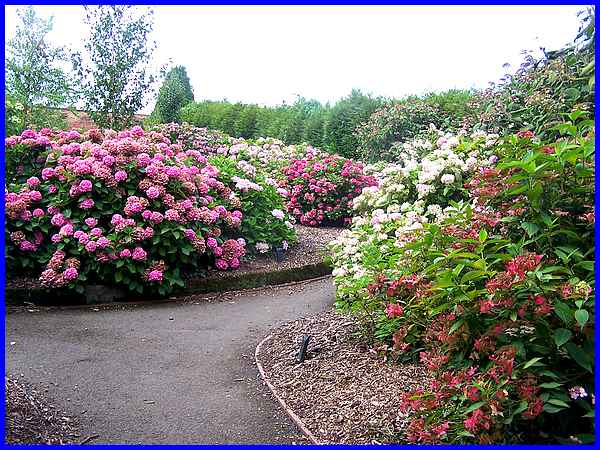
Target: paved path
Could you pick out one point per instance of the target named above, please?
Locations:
(177, 373)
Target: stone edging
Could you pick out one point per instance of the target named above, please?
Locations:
(281, 401)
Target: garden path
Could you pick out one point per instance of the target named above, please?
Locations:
(167, 373)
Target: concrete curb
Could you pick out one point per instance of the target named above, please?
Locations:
(282, 402)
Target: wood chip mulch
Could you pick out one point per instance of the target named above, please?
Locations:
(30, 419)
(343, 392)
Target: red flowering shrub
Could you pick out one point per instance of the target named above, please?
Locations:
(128, 208)
(497, 300)
(321, 188)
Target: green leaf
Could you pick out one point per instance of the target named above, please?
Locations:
(472, 275)
(483, 235)
(561, 336)
(582, 316)
(456, 326)
(532, 361)
(580, 356)
(563, 311)
(551, 385)
(473, 407)
(558, 402)
(530, 228)
(552, 409)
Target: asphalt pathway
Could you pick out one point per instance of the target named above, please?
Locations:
(171, 373)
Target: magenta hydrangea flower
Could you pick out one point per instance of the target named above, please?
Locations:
(221, 264)
(152, 192)
(38, 212)
(85, 186)
(66, 230)
(126, 253)
(91, 246)
(33, 181)
(103, 242)
(212, 243)
(138, 254)
(120, 175)
(71, 274)
(91, 222)
(88, 203)
(155, 275)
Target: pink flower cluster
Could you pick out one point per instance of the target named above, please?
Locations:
(321, 189)
(105, 195)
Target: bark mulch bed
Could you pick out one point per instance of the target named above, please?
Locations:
(343, 392)
(30, 419)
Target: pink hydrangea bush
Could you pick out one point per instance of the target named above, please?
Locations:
(129, 208)
(321, 188)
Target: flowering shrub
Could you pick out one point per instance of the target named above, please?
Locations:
(321, 188)
(194, 138)
(265, 225)
(394, 122)
(410, 194)
(495, 297)
(129, 208)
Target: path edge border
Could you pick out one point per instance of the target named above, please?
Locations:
(299, 423)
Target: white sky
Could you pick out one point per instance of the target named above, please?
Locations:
(267, 54)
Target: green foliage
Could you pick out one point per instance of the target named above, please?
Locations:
(259, 224)
(541, 89)
(305, 121)
(345, 116)
(495, 297)
(35, 83)
(174, 94)
(114, 71)
(400, 121)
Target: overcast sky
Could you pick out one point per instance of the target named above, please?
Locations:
(267, 54)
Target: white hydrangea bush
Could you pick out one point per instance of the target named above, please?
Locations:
(415, 190)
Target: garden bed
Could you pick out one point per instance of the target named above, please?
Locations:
(30, 419)
(303, 261)
(343, 393)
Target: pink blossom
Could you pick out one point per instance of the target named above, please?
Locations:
(91, 246)
(71, 274)
(155, 275)
(66, 230)
(138, 254)
(33, 181)
(221, 264)
(85, 186)
(125, 253)
(91, 222)
(103, 242)
(38, 212)
(120, 175)
(88, 203)
(153, 192)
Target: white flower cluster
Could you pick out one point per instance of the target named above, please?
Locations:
(412, 192)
